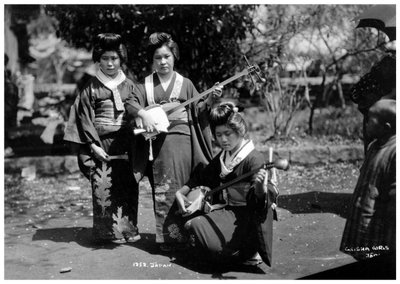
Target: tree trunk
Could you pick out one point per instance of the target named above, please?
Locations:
(10, 41)
(315, 105)
(341, 96)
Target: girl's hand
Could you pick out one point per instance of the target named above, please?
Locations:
(215, 94)
(183, 205)
(218, 90)
(262, 187)
(186, 201)
(187, 213)
(182, 210)
(99, 153)
(182, 200)
(259, 187)
(149, 124)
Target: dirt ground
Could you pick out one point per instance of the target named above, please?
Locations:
(47, 232)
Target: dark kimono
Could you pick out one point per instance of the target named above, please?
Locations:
(95, 119)
(186, 146)
(370, 229)
(244, 226)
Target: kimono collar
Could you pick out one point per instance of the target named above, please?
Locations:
(229, 164)
(176, 90)
(112, 84)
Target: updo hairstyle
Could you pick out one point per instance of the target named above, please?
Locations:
(227, 114)
(157, 40)
(109, 42)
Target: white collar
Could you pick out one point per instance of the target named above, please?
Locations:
(230, 162)
(112, 84)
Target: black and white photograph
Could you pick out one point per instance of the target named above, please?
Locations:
(199, 141)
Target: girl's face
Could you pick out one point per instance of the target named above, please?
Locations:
(163, 61)
(110, 63)
(228, 139)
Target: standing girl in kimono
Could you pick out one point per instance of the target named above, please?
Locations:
(169, 158)
(239, 229)
(98, 124)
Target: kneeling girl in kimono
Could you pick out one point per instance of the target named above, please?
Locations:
(240, 229)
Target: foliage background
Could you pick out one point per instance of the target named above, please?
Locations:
(214, 38)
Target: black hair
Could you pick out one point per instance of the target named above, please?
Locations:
(226, 114)
(109, 42)
(159, 39)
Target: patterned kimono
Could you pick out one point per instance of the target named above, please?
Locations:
(241, 228)
(176, 153)
(95, 118)
(371, 227)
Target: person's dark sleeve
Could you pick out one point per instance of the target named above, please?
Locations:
(207, 176)
(135, 101)
(85, 117)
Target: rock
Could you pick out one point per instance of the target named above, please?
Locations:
(74, 188)
(71, 164)
(65, 269)
(29, 172)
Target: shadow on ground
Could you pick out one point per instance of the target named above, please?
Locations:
(201, 265)
(316, 202)
(185, 258)
(194, 262)
(81, 235)
(381, 267)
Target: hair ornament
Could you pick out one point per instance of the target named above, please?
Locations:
(230, 105)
